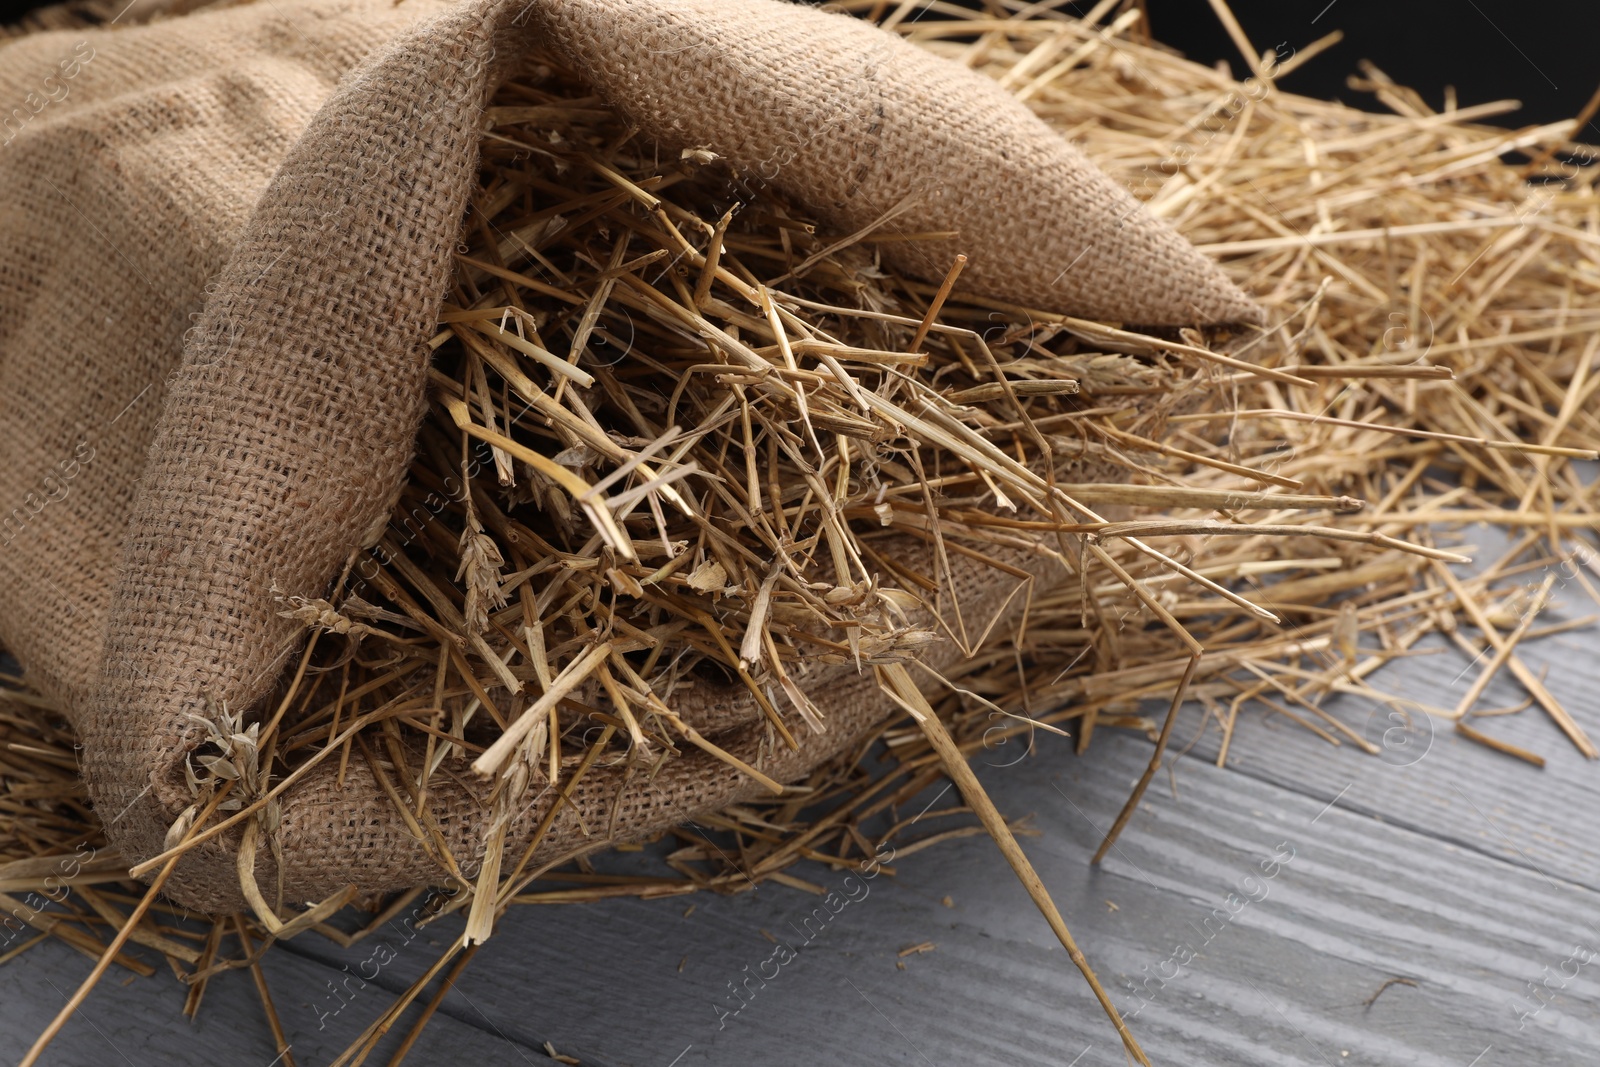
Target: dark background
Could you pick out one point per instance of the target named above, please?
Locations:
(1538, 51)
(1542, 53)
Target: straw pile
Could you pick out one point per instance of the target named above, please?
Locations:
(586, 470)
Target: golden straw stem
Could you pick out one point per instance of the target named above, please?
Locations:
(898, 684)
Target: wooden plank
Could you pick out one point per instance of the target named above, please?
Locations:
(1432, 779)
(1281, 981)
(141, 1022)
(1468, 873)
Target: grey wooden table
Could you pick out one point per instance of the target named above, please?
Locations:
(1469, 875)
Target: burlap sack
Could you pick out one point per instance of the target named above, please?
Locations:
(223, 240)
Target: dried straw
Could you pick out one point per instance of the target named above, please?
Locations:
(674, 423)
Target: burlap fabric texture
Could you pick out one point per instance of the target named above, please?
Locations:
(224, 238)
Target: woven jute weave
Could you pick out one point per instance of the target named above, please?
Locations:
(224, 240)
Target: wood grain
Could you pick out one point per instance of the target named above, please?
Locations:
(1465, 872)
